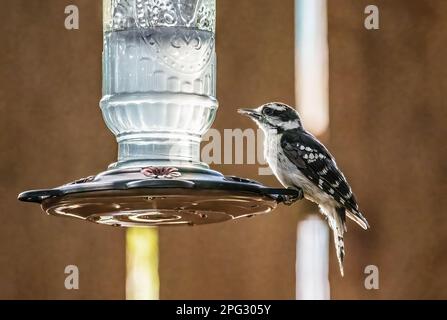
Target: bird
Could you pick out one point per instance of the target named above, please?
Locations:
(301, 162)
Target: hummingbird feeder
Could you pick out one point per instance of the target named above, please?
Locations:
(159, 98)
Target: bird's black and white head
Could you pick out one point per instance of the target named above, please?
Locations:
(274, 116)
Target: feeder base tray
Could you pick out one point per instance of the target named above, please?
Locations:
(159, 196)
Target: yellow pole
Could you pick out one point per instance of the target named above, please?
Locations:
(142, 281)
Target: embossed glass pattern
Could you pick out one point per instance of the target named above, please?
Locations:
(159, 78)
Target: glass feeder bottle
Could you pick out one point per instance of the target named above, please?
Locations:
(159, 79)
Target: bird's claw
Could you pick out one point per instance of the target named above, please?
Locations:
(288, 200)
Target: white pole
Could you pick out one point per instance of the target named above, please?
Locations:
(312, 96)
(311, 63)
(312, 260)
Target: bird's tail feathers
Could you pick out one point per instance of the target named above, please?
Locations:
(337, 222)
(358, 218)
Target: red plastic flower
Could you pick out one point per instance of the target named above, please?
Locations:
(161, 172)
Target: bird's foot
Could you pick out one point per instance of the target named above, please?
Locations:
(288, 200)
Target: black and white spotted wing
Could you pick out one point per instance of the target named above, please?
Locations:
(318, 165)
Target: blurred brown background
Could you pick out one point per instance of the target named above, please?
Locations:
(387, 130)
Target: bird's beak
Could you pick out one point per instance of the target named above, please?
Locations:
(252, 113)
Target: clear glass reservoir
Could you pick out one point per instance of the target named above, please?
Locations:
(159, 79)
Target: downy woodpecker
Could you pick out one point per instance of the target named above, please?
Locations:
(299, 160)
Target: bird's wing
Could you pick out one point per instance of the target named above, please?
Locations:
(318, 165)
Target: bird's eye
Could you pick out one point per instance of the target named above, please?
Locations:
(268, 111)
